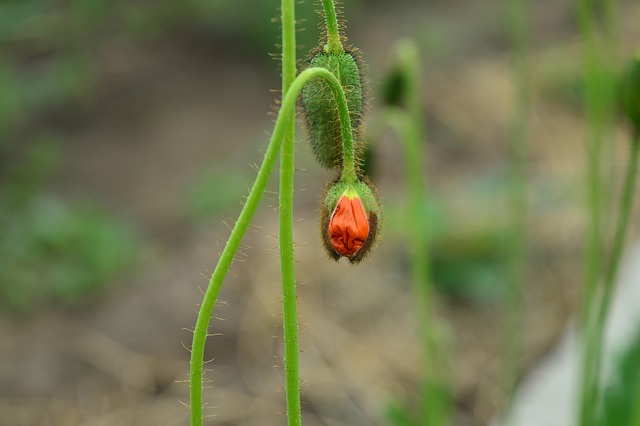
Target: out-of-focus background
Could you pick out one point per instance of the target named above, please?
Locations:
(129, 131)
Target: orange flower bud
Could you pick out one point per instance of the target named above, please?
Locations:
(349, 223)
(349, 226)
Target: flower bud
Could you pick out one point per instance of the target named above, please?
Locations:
(320, 108)
(394, 87)
(631, 93)
(349, 222)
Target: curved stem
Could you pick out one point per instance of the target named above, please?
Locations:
(348, 149)
(289, 298)
(231, 247)
(334, 44)
(349, 174)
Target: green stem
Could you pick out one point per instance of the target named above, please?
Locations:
(516, 250)
(409, 127)
(611, 273)
(598, 107)
(594, 142)
(334, 44)
(621, 230)
(287, 167)
(284, 120)
(348, 147)
(349, 174)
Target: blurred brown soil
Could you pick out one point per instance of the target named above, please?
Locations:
(164, 113)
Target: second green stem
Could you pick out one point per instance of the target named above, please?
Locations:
(287, 268)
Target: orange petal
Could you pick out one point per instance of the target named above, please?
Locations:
(349, 226)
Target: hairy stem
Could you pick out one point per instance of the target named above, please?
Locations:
(287, 166)
(334, 44)
(285, 118)
(348, 147)
(348, 154)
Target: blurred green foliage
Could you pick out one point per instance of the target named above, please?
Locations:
(467, 257)
(55, 253)
(50, 51)
(51, 56)
(216, 191)
(411, 412)
(51, 251)
(399, 415)
(621, 398)
(470, 266)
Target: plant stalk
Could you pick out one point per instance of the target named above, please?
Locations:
(334, 44)
(287, 267)
(287, 111)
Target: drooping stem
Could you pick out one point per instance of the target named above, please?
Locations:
(348, 147)
(287, 166)
(284, 119)
(334, 44)
(348, 150)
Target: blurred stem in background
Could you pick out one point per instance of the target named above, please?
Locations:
(593, 107)
(598, 103)
(517, 200)
(611, 271)
(435, 407)
(630, 89)
(599, 106)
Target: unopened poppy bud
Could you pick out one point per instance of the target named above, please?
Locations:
(348, 226)
(349, 220)
(631, 93)
(320, 108)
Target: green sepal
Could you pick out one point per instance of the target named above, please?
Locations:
(361, 188)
